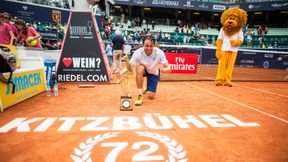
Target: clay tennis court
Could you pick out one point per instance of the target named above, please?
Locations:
(187, 121)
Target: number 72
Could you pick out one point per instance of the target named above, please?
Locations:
(141, 156)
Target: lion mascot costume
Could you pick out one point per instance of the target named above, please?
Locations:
(228, 41)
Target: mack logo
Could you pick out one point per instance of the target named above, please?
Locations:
(24, 82)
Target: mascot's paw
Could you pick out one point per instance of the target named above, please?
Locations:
(218, 54)
(235, 43)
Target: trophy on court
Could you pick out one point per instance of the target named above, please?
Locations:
(125, 81)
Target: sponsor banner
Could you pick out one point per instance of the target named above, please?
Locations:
(168, 4)
(205, 6)
(182, 63)
(27, 85)
(247, 58)
(82, 54)
(32, 12)
(263, 6)
(48, 35)
(273, 64)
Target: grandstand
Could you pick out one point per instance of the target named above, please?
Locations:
(204, 17)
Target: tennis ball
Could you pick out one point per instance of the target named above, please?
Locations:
(31, 42)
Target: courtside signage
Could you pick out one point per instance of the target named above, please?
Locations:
(27, 84)
(82, 54)
(182, 63)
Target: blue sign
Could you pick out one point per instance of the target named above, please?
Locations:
(50, 70)
(33, 12)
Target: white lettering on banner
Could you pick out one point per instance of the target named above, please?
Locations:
(79, 30)
(277, 5)
(81, 78)
(127, 123)
(219, 7)
(165, 2)
(179, 59)
(84, 62)
(182, 67)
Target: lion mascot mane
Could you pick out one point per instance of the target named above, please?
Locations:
(228, 41)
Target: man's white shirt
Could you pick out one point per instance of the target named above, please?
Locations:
(226, 46)
(151, 63)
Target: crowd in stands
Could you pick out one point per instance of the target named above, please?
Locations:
(185, 33)
(135, 29)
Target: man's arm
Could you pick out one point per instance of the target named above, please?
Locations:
(166, 68)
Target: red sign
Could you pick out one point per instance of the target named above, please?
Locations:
(183, 63)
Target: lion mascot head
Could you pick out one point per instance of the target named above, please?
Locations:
(232, 20)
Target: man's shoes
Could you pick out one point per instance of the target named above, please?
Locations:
(144, 91)
(139, 100)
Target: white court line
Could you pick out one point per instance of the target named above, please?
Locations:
(239, 103)
(260, 90)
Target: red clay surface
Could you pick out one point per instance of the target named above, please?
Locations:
(247, 122)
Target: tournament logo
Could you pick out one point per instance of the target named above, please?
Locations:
(266, 64)
(56, 16)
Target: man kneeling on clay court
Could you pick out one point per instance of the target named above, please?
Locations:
(147, 60)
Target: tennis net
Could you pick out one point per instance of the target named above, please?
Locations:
(250, 65)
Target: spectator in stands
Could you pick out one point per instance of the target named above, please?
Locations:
(147, 60)
(109, 54)
(96, 9)
(153, 24)
(8, 19)
(275, 45)
(129, 24)
(6, 34)
(266, 29)
(249, 40)
(26, 32)
(136, 36)
(118, 43)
